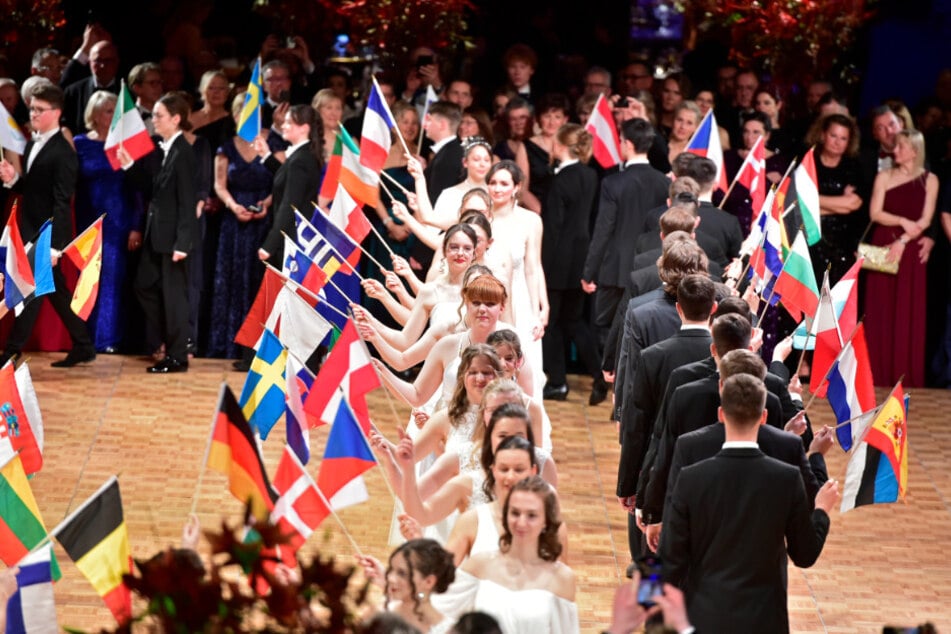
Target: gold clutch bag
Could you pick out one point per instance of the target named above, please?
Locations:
(876, 259)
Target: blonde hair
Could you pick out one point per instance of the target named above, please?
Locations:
(96, 101)
(917, 141)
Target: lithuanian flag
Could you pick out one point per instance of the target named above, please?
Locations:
(85, 252)
(95, 537)
(234, 452)
(21, 526)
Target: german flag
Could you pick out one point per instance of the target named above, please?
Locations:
(96, 538)
(234, 452)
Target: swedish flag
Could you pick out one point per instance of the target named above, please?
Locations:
(249, 123)
(262, 399)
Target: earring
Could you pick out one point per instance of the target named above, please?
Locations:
(421, 596)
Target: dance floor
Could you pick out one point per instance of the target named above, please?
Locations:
(882, 564)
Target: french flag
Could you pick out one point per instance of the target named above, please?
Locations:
(606, 145)
(706, 142)
(375, 137)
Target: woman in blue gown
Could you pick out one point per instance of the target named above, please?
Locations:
(243, 184)
(102, 190)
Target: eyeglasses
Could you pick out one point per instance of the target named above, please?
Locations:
(39, 109)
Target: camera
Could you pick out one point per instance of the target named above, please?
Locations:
(652, 583)
(290, 42)
(623, 102)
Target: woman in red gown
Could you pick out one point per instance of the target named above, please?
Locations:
(902, 206)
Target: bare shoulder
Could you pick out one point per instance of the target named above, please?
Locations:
(480, 564)
(562, 581)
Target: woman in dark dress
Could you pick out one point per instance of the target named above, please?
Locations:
(841, 191)
(902, 206)
(243, 184)
(551, 113)
(102, 190)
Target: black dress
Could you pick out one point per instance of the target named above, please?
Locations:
(840, 232)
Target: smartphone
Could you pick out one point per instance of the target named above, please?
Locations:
(652, 583)
(424, 60)
(253, 208)
(623, 102)
(284, 96)
(290, 42)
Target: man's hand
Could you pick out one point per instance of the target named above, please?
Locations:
(7, 172)
(822, 441)
(653, 536)
(588, 287)
(828, 496)
(925, 245)
(782, 349)
(797, 424)
(674, 607)
(627, 503)
(263, 255)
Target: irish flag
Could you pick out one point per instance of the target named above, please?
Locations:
(127, 130)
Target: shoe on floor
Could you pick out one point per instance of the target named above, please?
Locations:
(555, 392)
(75, 357)
(168, 365)
(599, 392)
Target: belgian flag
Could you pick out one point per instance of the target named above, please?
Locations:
(96, 538)
(234, 452)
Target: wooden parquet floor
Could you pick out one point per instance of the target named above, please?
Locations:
(884, 564)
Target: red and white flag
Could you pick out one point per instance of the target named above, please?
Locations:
(752, 173)
(376, 135)
(607, 146)
(828, 339)
(127, 130)
(299, 510)
(346, 214)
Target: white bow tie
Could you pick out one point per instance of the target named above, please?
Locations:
(165, 145)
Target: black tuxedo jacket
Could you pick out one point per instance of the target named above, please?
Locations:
(296, 183)
(171, 223)
(445, 170)
(649, 246)
(47, 188)
(721, 230)
(638, 416)
(730, 522)
(571, 199)
(625, 198)
(75, 98)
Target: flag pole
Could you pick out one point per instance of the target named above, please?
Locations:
(377, 233)
(879, 408)
(831, 365)
(395, 182)
(352, 241)
(379, 377)
(211, 435)
(773, 290)
(738, 172)
(875, 410)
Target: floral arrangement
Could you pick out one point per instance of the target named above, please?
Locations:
(28, 25)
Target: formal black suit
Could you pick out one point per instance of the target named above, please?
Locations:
(171, 225)
(731, 520)
(296, 183)
(445, 168)
(571, 198)
(75, 98)
(721, 226)
(625, 198)
(649, 246)
(47, 188)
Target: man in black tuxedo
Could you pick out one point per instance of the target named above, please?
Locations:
(47, 186)
(695, 301)
(625, 198)
(733, 518)
(104, 64)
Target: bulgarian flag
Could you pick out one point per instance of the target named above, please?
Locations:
(85, 252)
(127, 130)
(796, 284)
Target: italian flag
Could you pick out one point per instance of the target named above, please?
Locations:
(127, 130)
(796, 284)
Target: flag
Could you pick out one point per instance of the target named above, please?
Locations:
(31, 406)
(346, 457)
(297, 421)
(344, 168)
(706, 142)
(96, 538)
(376, 134)
(851, 389)
(301, 269)
(807, 195)
(16, 433)
(32, 608)
(315, 234)
(235, 453)
(348, 366)
(828, 339)
(845, 300)
(606, 145)
(21, 525)
(431, 98)
(299, 510)
(878, 469)
(766, 259)
(752, 173)
(249, 121)
(262, 399)
(127, 131)
(333, 304)
(85, 252)
(302, 329)
(11, 137)
(42, 261)
(347, 215)
(796, 285)
(17, 273)
(253, 326)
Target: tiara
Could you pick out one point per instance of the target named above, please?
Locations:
(473, 141)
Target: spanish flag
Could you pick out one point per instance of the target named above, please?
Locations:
(235, 452)
(95, 537)
(85, 252)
